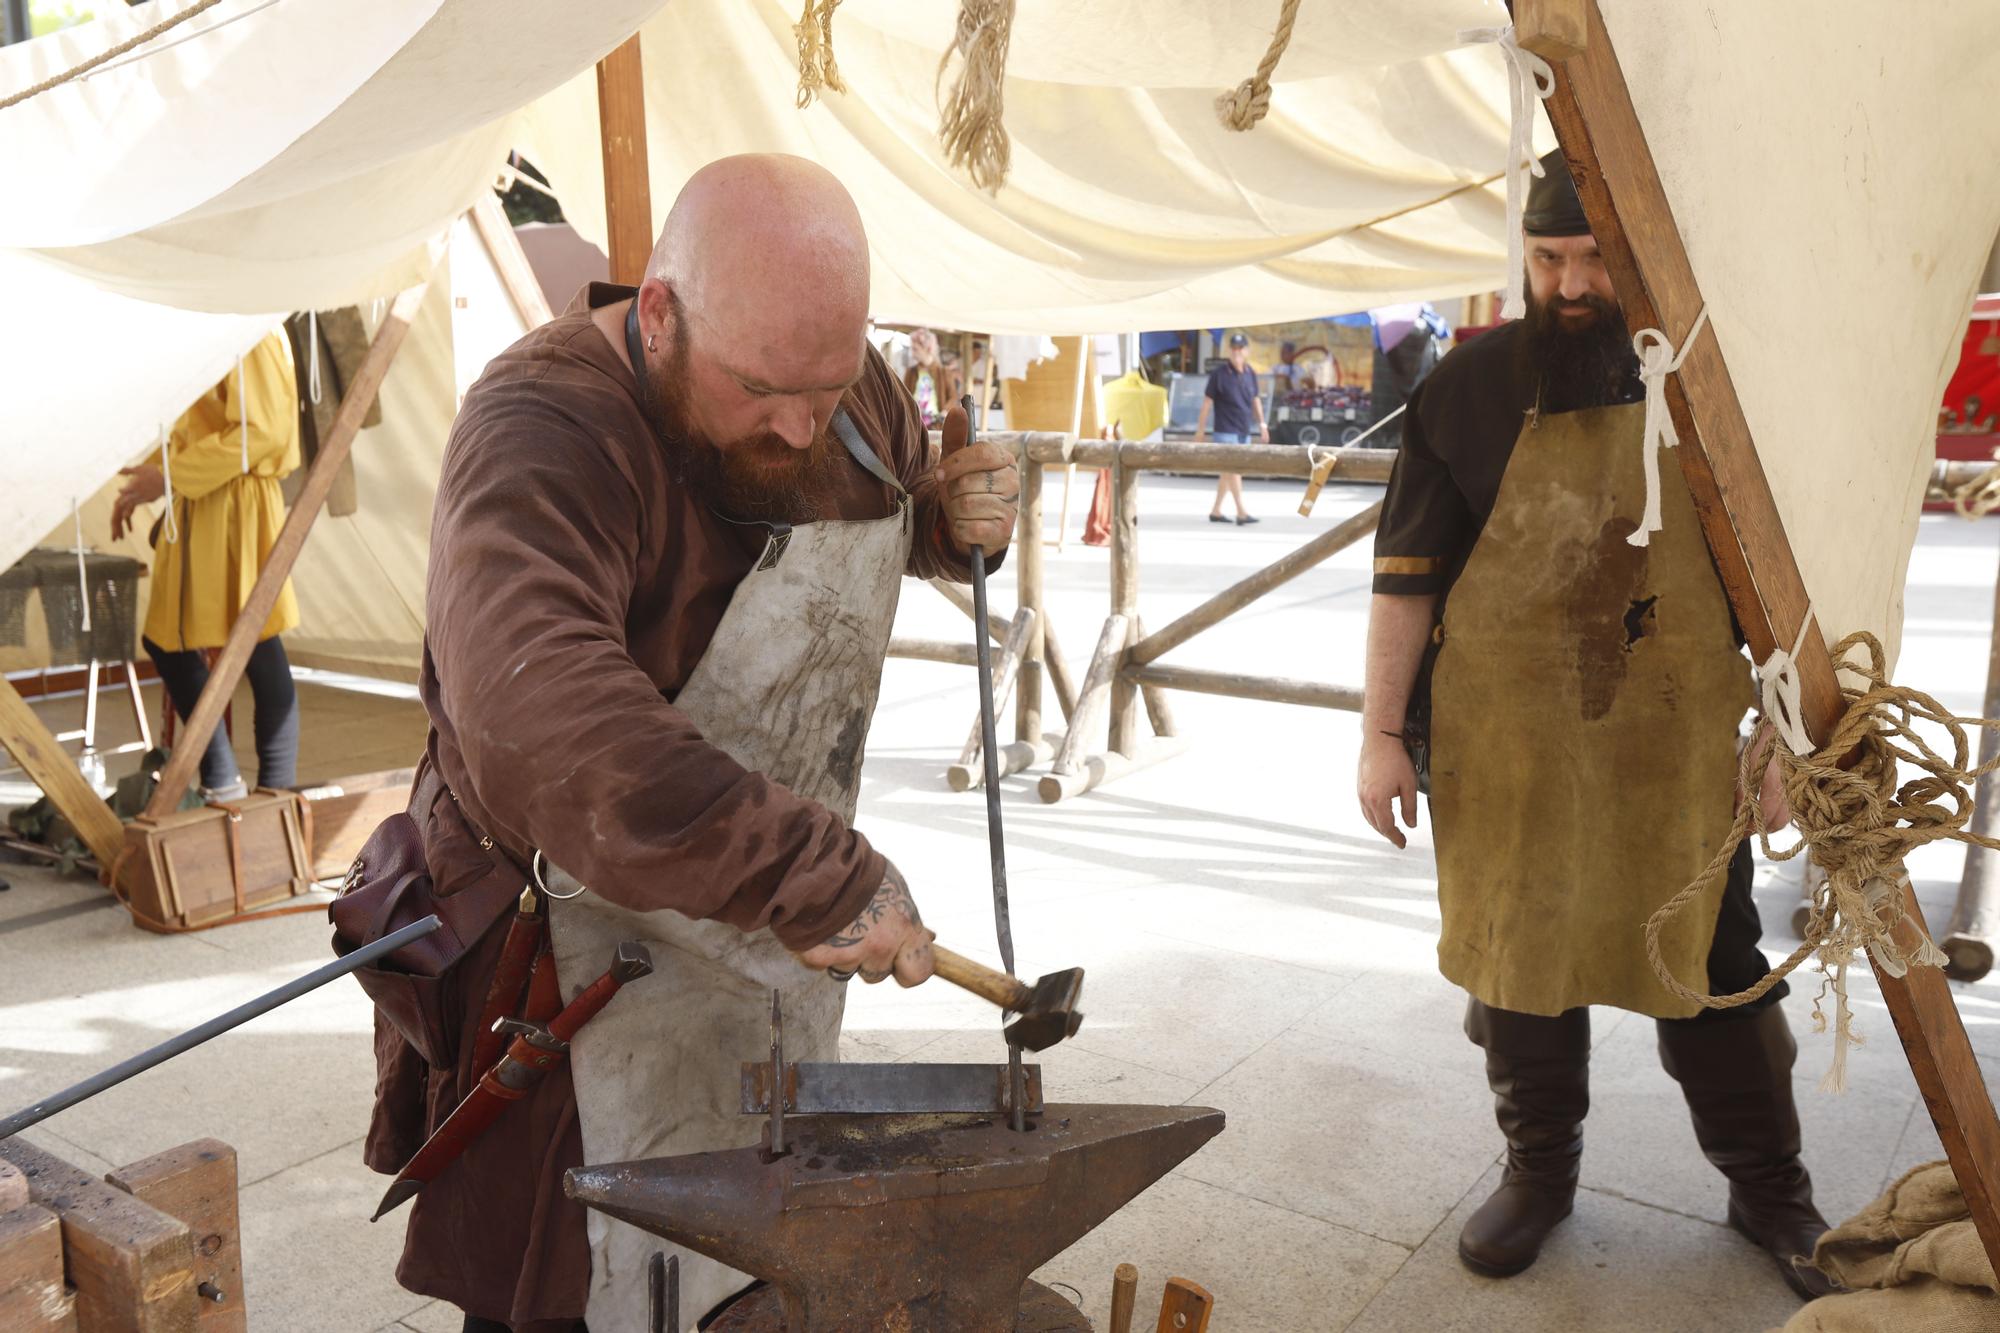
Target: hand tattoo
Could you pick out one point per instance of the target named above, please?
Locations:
(893, 895)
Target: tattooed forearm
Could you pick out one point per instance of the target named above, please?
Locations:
(892, 896)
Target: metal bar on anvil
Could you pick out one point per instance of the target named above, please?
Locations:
(816, 1087)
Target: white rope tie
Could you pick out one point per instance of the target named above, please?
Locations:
(82, 579)
(1528, 77)
(312, 354)
(1778, 682)
(244, 409)
(1657, 360)
(170, 528)
(1313, 451)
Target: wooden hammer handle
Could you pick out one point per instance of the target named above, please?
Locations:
(983, 981)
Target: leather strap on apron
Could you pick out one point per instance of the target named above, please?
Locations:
(1583, 729)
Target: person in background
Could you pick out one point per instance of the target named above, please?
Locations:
(932, 383)
(1232, 392)
(224, 460)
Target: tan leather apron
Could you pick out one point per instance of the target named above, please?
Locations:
(1584, 716)
(787, 687)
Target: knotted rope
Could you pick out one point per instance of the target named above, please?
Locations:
(817, 71)
(78, 71)
(1657, 360)
(1857, 825)
(1528, 77)
(1250, 101)
(970, 118)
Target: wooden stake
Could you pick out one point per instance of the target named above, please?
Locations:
(1125, 601)
(1634, 226)
(510, 261)
(35, 749)
(1096, 691)
(256, 609)
(1099, 769)
(1028, 575)
(1003, 679)
(1552, 29)
(628, 195)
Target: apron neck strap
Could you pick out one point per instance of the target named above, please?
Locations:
(844, 427)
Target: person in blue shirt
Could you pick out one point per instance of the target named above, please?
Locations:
(1232, 392)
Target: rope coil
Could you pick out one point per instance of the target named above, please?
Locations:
(1857, 824)
(1250, 101)
(1529, 77)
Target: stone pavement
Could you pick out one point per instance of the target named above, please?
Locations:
(1250, 945)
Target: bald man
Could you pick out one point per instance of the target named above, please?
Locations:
(669, 535)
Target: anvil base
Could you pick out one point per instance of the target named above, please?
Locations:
(1042, 1311)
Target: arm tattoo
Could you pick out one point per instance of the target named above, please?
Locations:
(892, 895)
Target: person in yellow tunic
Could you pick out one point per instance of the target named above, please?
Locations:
(219, 473)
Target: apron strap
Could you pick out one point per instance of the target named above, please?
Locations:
(844, 427)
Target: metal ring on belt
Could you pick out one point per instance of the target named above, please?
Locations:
(535, 864)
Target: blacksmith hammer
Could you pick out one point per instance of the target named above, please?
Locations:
(1047, 1009)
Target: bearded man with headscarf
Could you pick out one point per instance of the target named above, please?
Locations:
(670, 530)
(1571, 700)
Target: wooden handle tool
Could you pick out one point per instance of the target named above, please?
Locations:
(1321, 471)
(1186, 1307)
(1047, 1008)
(1124, 1292)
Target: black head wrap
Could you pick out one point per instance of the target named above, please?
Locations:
(1553, 208)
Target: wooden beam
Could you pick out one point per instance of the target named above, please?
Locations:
(196, 1183)
(256, 609)
(510, 261)
(628, 195)
(1240, 594)
(1271, 689)
(1634, 225)
(1552, 29)
(45, 761)
(33, 1296)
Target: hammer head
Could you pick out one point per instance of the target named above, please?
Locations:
(1050, 1014)
(631, 962)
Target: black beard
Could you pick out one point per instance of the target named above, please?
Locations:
(727, 479)
(1579, 368)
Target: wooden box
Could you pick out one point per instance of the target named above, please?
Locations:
(338, 816)
(182, 870)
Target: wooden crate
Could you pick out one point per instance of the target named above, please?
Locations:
(180, 869)
(338, 816)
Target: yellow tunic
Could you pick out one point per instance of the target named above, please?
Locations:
(228, 518)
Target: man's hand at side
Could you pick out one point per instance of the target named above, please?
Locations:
(980, 486)
(1387, 779)
(147, 485)
(887, 939)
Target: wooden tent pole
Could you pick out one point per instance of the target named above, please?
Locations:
(510, 261)
(43, 759)
(1634, 226)
(256, 609)
(628, 195)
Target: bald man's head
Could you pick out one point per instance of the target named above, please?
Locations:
(754, 311)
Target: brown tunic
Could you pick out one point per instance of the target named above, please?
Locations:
(574, 584)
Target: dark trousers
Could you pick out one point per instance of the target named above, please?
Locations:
(276, 701)
(1734, 963)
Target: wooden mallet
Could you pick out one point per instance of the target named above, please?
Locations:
(1047, 1008)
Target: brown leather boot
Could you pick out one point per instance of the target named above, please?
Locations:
(1539, 1070)
(1736, 1074)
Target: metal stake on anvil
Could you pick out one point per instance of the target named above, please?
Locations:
(995, 838)
(777, 1073)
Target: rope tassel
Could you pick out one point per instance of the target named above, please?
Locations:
(971, 125)
(817, 71)
(1528, 77)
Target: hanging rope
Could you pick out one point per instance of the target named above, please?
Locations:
(1250, 101)
(970, 124)
(82, 578)
(1980, 496)
(1657, 360)
(170, 528)
(243, 410)
(817, 71)
(1857, 826)
(312, 355)
(77, 71)
(1528, 77)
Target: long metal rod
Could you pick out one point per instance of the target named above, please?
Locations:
(214, 1027)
